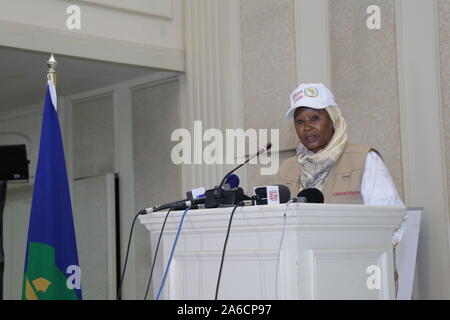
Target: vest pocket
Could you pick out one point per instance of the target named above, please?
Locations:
(347, 187)
(349, 180)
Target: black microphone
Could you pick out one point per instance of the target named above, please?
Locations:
(194, 198)
(220, 196)
(163, 206)
(281, 194)
(261, 151)
(310, 195)
(285, 193)
(177, 205)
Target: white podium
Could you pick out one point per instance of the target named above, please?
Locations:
(316, 252)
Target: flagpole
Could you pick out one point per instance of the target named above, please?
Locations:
(51, 74)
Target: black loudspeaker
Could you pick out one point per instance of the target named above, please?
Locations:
(13, 163)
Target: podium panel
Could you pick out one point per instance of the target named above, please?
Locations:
(295, 251)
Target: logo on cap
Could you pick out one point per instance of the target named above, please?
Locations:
(311, 92)
(298, 96)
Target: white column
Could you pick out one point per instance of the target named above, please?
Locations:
(312, 41)
(123, 138)
(211, 88)
(423, 149)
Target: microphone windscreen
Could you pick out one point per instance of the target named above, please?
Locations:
(285, 193)
(232, 181)
(313, 195)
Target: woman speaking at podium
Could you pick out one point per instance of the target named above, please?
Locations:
(346, 173)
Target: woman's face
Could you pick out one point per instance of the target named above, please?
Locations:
(314, 128)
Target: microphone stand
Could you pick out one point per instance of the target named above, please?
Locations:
(218, 196)
(267, 148)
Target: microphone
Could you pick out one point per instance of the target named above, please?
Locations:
(177, 204)
(227, 192)
(197, 193)
(231, 182)
(194, 197)
(285, 193)
(264, 149)
(220, 195)
(310, 195)
(275, 194)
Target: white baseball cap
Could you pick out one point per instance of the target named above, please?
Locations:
(311, 95)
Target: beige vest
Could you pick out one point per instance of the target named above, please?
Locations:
(343, 184)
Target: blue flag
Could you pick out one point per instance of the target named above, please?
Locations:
(52, 270)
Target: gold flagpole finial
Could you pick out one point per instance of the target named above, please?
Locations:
(51, 74)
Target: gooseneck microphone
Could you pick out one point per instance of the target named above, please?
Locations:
(232, 194)
(193, 199)
(261, 151)
(310, 195)
(223, 196)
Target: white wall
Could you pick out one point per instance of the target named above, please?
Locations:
(121, 116)
(131, 32)
(159, 23)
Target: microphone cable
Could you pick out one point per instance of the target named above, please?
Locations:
(156, 253)
(224, 249)
(126, 258)
(279, 250)
(171, 253)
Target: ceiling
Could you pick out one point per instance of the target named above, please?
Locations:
(23, 76)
